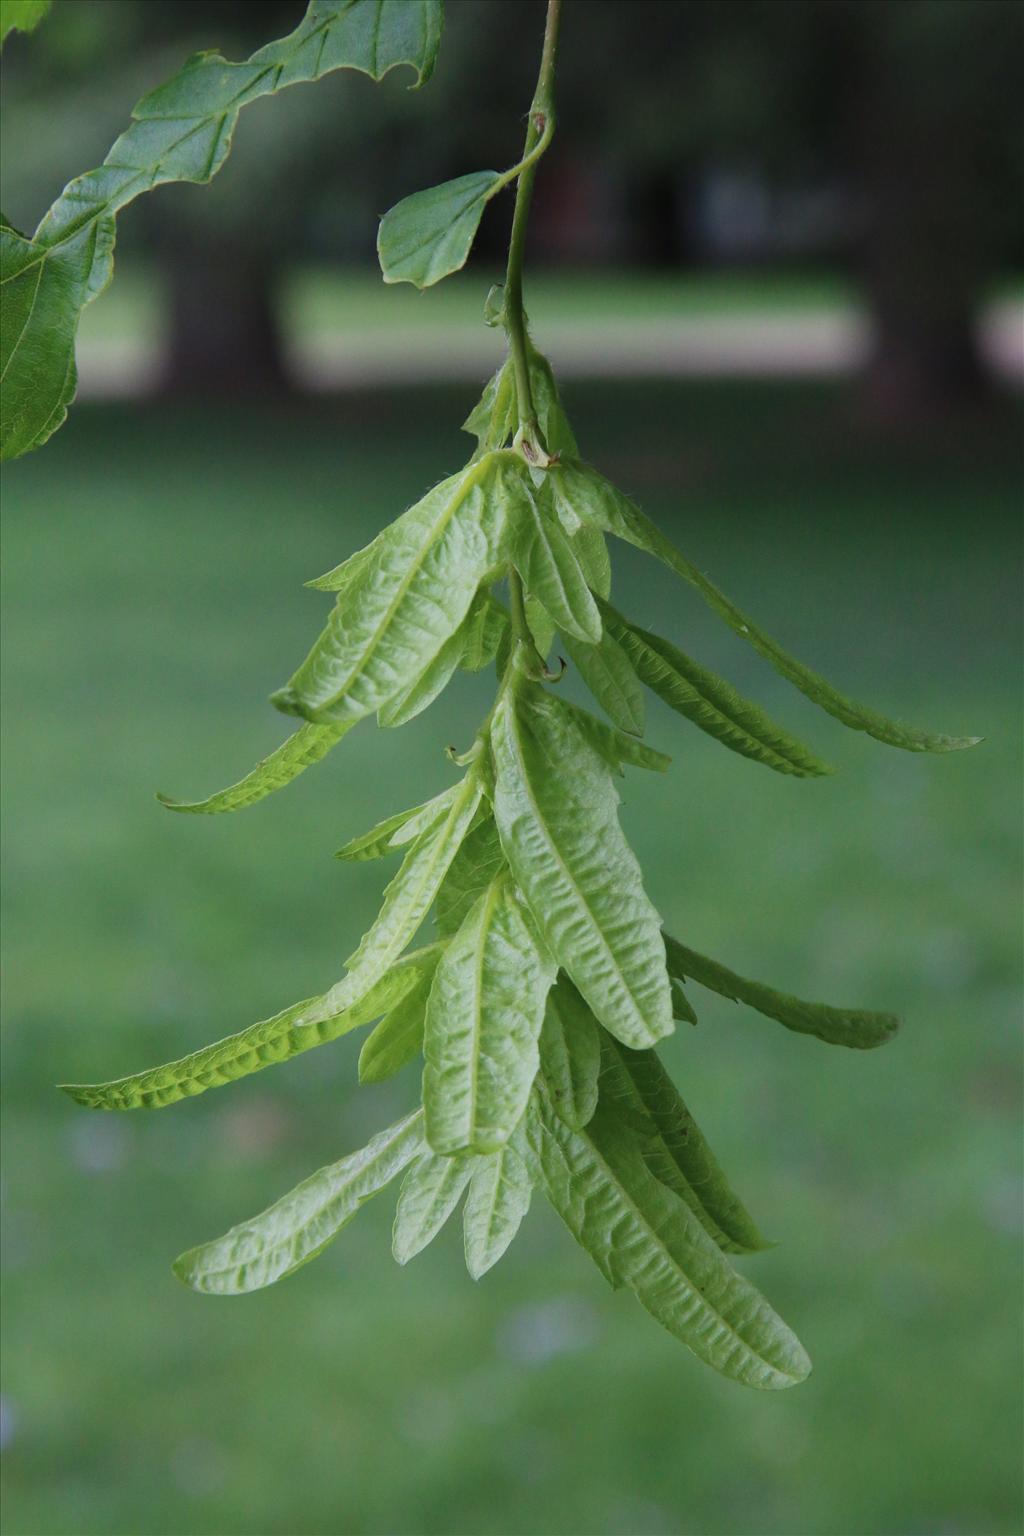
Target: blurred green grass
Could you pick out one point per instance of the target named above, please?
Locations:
(152, 599)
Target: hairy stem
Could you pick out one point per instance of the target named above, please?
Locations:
(541, 127)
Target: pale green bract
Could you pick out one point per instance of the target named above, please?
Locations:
(483, 1022)
(181, 131)
(537, 1007)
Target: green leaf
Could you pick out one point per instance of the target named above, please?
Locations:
(423, 690)
(25, 15)
(428, 236)
(182, 131)
(410, 895)
(495, 418)
(592, 553)
(398, 1038)
(710, 702)
(315, 1021)
(606, 670)
(682, 1008)
(570, 1054)
(498, 1199)
(431, 1190)
(478, 862)
(676, 1151)
(307, 746)
(551, 570)
(641, 1234)
(588, 494)
(294, 1230)
(483, 1022)
(396, 831)
(482, 633)
(410, 596)
(556, 809)
(615, 746)
(836, 1026)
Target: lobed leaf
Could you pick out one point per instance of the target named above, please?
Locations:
(428, 236)
(498, 1198)
(674, 1147)
(181, 131)
(570, 1054)
(589, 495)
(398, 1038)
(607, 671)
(409, 897)
(710, 702)
(484, 1017)
(302, 749)
(315, 1021)
(409, 596)
(431, 1190)
(641, 1234)
(551, 570)
(836, 1026)
(297, 1228)
(556, 810)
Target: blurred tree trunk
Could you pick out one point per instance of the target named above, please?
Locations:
(224, 331)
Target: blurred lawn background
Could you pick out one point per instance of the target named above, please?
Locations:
(155, 555)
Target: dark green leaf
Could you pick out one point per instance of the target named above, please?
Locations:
(180, 132)
(428, 236)
(836, 1026)
(589, 495)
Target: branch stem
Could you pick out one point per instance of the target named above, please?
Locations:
(541, 127)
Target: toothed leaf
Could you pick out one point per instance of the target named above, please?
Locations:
(182, 131)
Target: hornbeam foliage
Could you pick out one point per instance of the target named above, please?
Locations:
(537, 1002)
